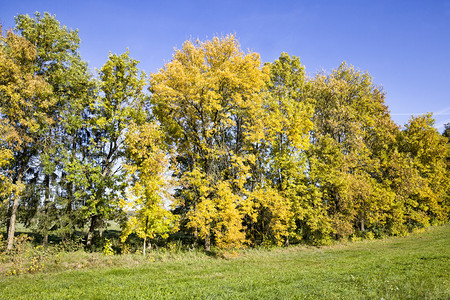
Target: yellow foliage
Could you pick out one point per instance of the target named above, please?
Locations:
(209, 101)
(148, 195)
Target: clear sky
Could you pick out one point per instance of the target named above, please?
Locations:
(403, 44)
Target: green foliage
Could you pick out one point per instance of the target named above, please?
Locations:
(60, 66)
(280, 172)
(24, 118)
(118, 105)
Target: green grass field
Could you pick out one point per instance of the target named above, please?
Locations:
(413, 267)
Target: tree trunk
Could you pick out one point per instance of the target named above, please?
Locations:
(12, 219)
(143, 250)
(45, 239)
(362, 225)
(46, 208)
(90, 235)
(12, 222)
(208, 242)
(68, 211)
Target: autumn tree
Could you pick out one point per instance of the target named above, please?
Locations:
(350, 119)
(149, 199)
(426, 151)
(280, 171)
(24, 107)
(208, 100)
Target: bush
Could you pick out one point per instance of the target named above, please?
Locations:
(24, 258)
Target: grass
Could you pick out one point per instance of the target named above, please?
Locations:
(413, 267)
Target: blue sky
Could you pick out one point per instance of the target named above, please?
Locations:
(404, 45)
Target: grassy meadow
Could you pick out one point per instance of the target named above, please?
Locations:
(412, 267)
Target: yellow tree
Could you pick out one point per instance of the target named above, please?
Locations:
(280, 194)
(147, 168)
(6, 155)
(350, 138)
(24, 103)
(426, 148)
(209, 102)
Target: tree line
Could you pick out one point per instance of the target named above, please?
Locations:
(215, 146)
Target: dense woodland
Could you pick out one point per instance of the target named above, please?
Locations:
(215, 149)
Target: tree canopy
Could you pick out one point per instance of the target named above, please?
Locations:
(215, 147)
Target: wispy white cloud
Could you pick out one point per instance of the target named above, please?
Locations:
(406, 114)
(421, 113)
(441, 124)
(445, 111)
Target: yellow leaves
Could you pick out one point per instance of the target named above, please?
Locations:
(147, 164)
(5, 156)
(228, 228)
(101, 122)
(218, 210)
(202, 216)
(210, 96)
(271, 146)
(25, 100)
(123, 204)
(21, 50)
(205, 81)
(277, 212)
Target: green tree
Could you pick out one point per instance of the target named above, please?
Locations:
(281, 160)
(59, 64)
(119, 104)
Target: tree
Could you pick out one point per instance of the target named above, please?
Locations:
(427, 151)
(208, 100)
(147, 167)
(350, 135)
(24, 106)
(446, 134)
(59, 64)
(6, 155)
(281, 176)
(119, 104)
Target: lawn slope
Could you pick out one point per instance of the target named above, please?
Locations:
(413, 267)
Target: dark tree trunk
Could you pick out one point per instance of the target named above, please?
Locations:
(90, 235)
